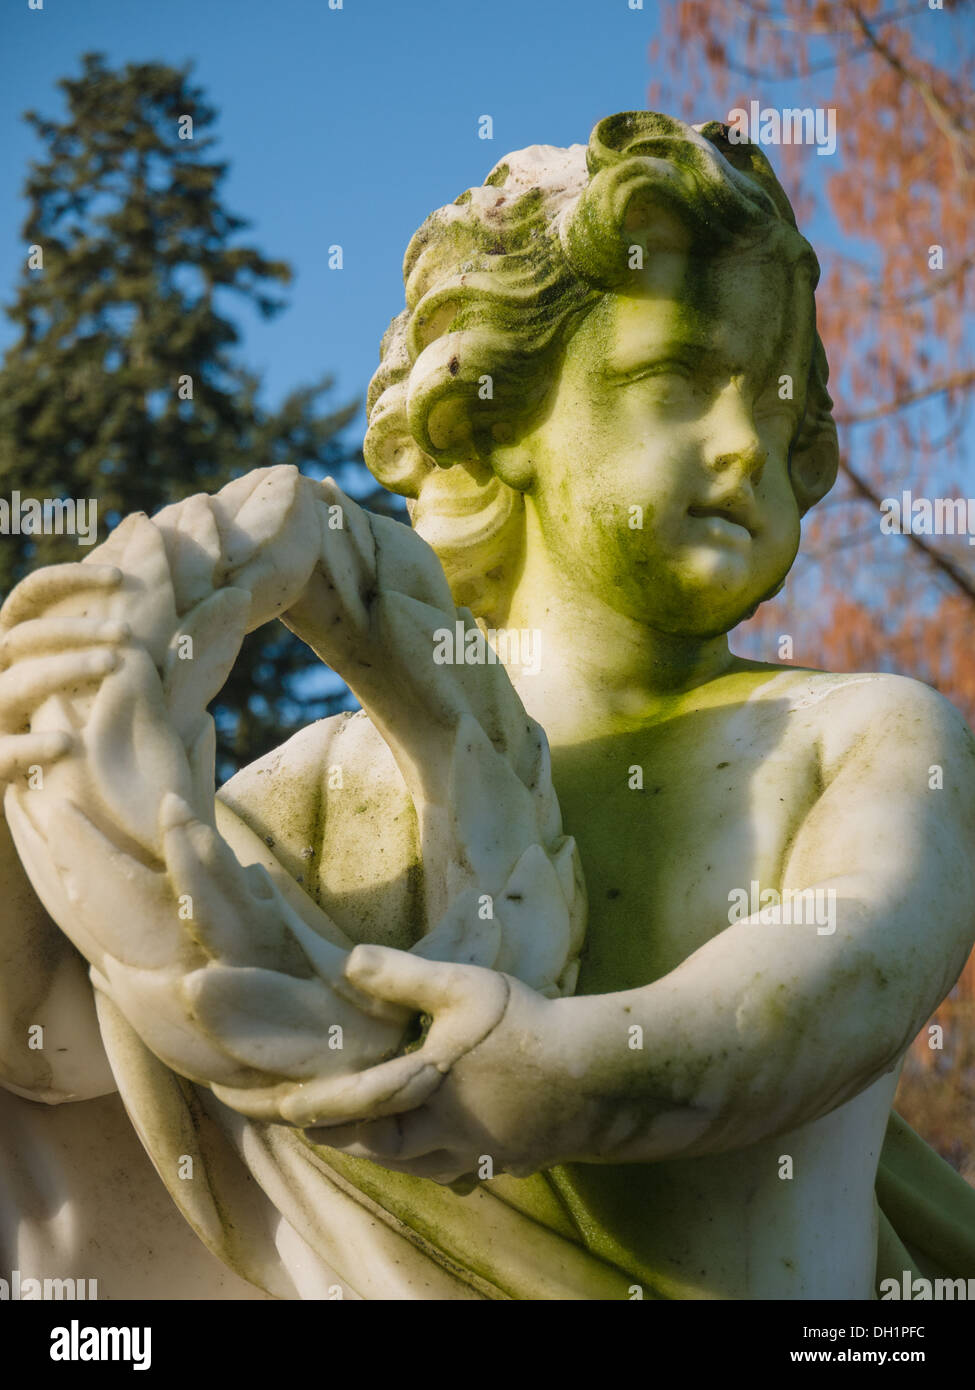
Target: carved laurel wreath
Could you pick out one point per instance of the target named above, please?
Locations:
(218, 973)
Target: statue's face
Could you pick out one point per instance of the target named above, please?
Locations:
(660, 473)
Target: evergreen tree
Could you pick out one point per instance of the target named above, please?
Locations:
(124, 385)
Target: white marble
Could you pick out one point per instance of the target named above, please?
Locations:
(653, 1095)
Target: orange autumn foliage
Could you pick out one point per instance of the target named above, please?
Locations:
(890, 215)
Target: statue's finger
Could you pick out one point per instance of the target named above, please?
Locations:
(235, 914)
(28, 684)
(401, 1137)
(403, 978)
(52, 582)
(54, 634)
(372, 1139)
(387, 1089)
(21, 752)
(466, 1001)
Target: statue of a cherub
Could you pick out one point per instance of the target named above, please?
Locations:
(606, 400)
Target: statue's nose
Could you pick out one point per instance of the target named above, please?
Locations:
(736, 448)
(746, 464)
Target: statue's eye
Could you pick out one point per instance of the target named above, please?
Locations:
(670, 367)
(670, 382)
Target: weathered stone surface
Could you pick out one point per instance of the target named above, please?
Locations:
(354, 1007)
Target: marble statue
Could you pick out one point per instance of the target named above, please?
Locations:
(450, 998)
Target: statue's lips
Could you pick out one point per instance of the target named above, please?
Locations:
(733, 525)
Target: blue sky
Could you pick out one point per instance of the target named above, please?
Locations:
(349, 126)
(341, 126)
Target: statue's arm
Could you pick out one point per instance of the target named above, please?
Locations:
(768, 1027)
(763, 1029)
(50, 1043)
(224, 969)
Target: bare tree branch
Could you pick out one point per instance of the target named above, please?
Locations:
(938, 284)
(943, 117)
(757, 75)
(944, 563)
(941, 388)
(779, 20)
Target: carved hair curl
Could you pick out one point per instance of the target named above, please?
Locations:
(496, 283)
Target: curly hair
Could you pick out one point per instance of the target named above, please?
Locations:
(498, 281)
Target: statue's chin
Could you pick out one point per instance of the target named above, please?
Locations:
(700, 618)
(717, 591)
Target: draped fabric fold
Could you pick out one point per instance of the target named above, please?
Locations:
(366, 1232)
(928, 1207)
(303, 1221)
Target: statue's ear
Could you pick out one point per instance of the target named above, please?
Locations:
(815, 457)
(510, 462)
(462, 415)
(485, 456)
(448, 408)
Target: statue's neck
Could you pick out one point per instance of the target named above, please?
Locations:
(597, 667)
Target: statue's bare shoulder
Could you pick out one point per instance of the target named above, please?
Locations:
(866, 719)
(896, 803)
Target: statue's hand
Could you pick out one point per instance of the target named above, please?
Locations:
(218, 974)
(188, 942)
(493, 1089)
(41, 657)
